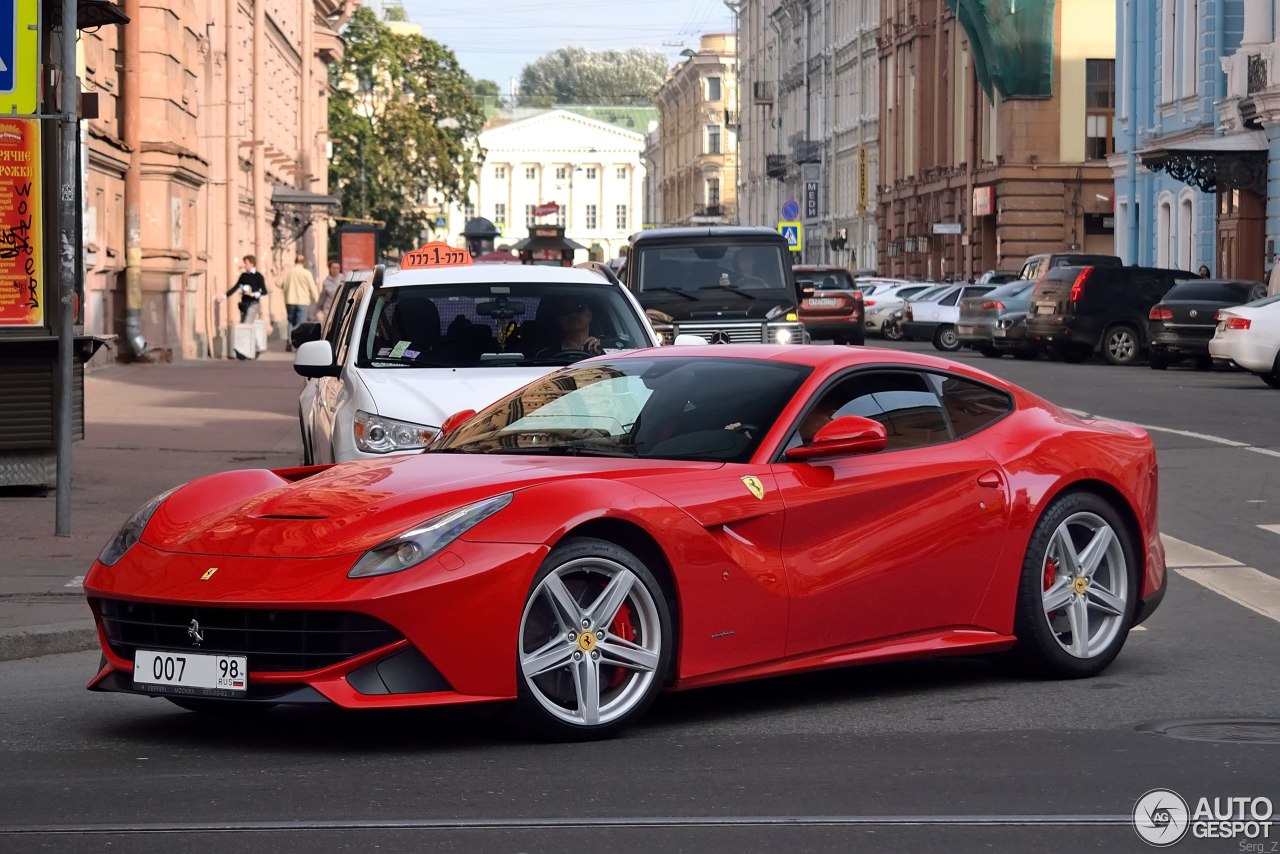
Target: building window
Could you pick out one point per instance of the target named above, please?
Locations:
(528, 215)
(713, 139)
(713, 88)
(560, 217)
(622, 218)
(713, 192)
(592, 217)
(469, 211)
(1190, 33)
(1168, 51)
(591, 173)
(499, 214)
(622, 173)
(500, 172)
(1100, 107)
(561, 173)
(531, 172)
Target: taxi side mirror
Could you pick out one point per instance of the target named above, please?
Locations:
(314, 359)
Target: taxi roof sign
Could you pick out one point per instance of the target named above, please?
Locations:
(435, 254)
(19, 57)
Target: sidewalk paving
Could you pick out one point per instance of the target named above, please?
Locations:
(147, 428)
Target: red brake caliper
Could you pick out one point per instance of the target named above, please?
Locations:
(1050, 572)
(622, 627)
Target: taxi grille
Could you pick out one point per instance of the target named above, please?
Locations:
(727, 333)
(274, 640)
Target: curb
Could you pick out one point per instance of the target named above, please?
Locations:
(53, 639)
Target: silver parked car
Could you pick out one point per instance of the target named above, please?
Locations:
(1001, 311)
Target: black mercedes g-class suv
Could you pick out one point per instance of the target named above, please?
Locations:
(727, 284)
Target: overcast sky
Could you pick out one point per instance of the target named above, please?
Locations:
(495, 39)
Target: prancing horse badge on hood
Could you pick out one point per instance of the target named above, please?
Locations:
(754, 486)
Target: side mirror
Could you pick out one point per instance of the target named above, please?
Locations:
(843, 436)
(304, 332)
(456, 420)
(690, 339)
(314, 359)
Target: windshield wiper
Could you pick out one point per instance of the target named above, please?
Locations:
(675, 291)
(734, 290)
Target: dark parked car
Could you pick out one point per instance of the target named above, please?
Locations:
(1180, 325)
(980, 316)
(830, 303)
(1077, 310)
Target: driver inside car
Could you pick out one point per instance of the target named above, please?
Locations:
(573, 326)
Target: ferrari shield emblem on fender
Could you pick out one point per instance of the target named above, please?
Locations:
(209, 573)
(754, 486)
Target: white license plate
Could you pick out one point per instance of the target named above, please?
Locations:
(200, 673)
(824, 302)
(999, 333)
(965, 330)
(1046, 308)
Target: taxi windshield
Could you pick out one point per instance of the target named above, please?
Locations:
(488, 324)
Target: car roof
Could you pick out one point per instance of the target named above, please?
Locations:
(756, 232)
(819, 268)
(495, 273)
(813, 355)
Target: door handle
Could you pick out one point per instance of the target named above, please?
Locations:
(991, 480)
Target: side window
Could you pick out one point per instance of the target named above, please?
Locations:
(900, 400)
(344, 337)
(951, 298)
(971, 406)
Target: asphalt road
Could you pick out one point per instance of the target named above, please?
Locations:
(948, 755)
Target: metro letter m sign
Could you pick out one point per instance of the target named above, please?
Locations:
(19, 56)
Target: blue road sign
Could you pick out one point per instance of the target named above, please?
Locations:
(790, 209)
(8, 45)
(19, 56)
(794, 233)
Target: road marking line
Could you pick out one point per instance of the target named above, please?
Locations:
(1138, 629)
(1243, 585)
(1181, 553)
(1188, 434)
(77, 581)
(1275, 529)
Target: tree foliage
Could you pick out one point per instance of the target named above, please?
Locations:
(575, 75)
(404, 119)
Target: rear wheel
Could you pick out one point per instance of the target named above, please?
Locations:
(1078, 593)
(946, 339)
(595, 641)
(890, 331)
(1121, 345)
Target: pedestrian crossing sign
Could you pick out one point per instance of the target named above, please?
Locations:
(19, 57)
(794, 232)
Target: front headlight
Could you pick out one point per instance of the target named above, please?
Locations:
(413, 547)
(782, 336)
(375, 434)
(132, 530)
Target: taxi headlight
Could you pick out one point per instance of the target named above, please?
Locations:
(376, 434)
(131, 531)
(413, 547)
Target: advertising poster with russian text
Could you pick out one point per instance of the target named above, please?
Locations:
(22, 293)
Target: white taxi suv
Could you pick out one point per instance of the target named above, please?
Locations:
(1249, 336)
(440, 335)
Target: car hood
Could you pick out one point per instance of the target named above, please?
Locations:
(352, 507)
(430, 395)
(713, 304)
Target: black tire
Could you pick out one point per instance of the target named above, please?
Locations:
(1026, 355)
(838, 340)
(551, 701)
(1040, 650)
(1121, 345)
(858, 338)
(1074, 354)
(308, 459)
(224, 708)
(1272, 379)
(991, 352)
(1204, 363)
(1157, 362)
(946, 339)
(891, 331)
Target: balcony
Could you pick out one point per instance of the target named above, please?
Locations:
(808, 151)
(775, 165)
(762, 92)
(1257, 74)
(731, 119)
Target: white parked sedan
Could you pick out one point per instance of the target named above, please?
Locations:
(881, 298)
(1249, 335)
(420, 344)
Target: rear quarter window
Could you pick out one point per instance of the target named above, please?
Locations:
(972, 406)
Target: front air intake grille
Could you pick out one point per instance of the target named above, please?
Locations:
(274, 640)
(727, 333)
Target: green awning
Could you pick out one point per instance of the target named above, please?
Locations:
(1012, 43)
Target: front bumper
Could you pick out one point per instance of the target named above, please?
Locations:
(454, 622)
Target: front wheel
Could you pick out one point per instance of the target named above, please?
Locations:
(891, 331)
(946, 339)
(595, 641)
(1078, 592)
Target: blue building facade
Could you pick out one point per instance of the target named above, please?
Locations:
(1177, 164)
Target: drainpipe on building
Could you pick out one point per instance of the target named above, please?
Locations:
(131, 36)
(1131, 179)
(306, 126)
(775, 113)
(260, 84)
(231, 164)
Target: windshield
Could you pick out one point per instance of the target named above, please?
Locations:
(664, 408)
(930, 293)
(487, 324)
(746, 267)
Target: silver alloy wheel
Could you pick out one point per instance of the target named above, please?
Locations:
(1085, 585)
(948, 339)
(1122, 345)
(572, 657)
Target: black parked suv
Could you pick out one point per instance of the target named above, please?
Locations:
(1077, 310)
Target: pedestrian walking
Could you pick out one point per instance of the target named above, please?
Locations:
(300, 293)
(252, 288)
(328, 290)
